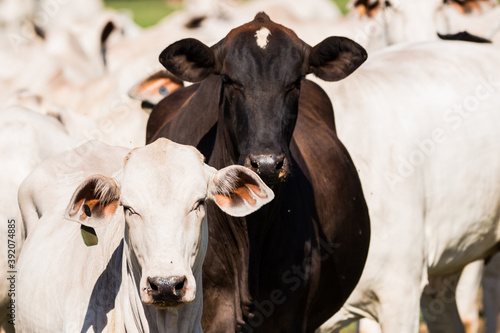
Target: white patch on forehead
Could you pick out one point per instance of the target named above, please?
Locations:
(261, 36)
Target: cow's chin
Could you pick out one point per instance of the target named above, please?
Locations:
(162, 305)
(170, 305)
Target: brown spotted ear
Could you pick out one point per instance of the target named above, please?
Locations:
(467, 7)
(238, 191)
(93, 205)
(335, 58)
(367, 8)
(189, 59)
(155, 87)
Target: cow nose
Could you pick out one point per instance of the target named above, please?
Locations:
(167, 291)
(271, 168)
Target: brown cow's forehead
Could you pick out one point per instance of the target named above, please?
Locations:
(260, 26)
(264, 51)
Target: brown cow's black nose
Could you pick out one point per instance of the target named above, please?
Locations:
(167, 291)
(271, 168)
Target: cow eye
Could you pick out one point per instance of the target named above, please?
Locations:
(199, 204)
(129, 211)
(296, 84)
(226, 79)
(163, 91)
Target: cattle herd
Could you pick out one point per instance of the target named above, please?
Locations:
(250, 166)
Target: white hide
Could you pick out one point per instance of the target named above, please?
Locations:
(26, 139)
(422, 129)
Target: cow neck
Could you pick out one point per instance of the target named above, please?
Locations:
(229, 230)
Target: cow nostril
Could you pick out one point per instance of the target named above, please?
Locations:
(152, 285)
(279, 164)
(180, 285)
(254, 164)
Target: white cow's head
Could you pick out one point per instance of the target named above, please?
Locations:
(163, 189)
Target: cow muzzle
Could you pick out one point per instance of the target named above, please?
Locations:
(167, 292)
(271, 168)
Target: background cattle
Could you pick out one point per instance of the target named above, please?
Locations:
(38, 137)
(425, 144)
(146, 210)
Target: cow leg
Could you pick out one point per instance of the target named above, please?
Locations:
(401, 312)
(366, 325)
(491, 293)
(7, 328)
(439, 306)
(467, 295)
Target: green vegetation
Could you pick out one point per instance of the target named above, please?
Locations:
(148, 12)
(145, 12)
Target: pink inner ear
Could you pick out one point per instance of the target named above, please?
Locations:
(110, 208)
(237, 197)
(222, 200)
(76, 207)
(246, 195)
(257, 190)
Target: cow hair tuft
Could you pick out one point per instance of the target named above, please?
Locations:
(105, 192)
(229, 183)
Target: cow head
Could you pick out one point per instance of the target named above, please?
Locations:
(261, 65)
(163, 189)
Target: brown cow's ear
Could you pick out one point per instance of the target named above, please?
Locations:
(189, 59)
(93, 205)
(238, 191)
(335, 58)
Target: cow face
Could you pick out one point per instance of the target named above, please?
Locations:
(261, 65)
(163, 191)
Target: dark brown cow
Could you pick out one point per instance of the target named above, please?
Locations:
(292, 264)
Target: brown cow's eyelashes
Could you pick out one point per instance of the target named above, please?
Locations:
(296, 84)
(226, 79)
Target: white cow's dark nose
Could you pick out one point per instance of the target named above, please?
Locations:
(167, 291)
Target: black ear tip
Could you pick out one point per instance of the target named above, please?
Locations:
(163, 56)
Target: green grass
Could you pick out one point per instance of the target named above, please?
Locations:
(148, 12)
(145, 12)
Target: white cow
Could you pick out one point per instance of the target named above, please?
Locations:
(422, 128)
(26, 139)
(397, 21)
(148, 217)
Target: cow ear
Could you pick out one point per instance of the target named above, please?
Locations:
(93, 205)
(335, 58)
(155, 87)
(189, 59)
(238, 191)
